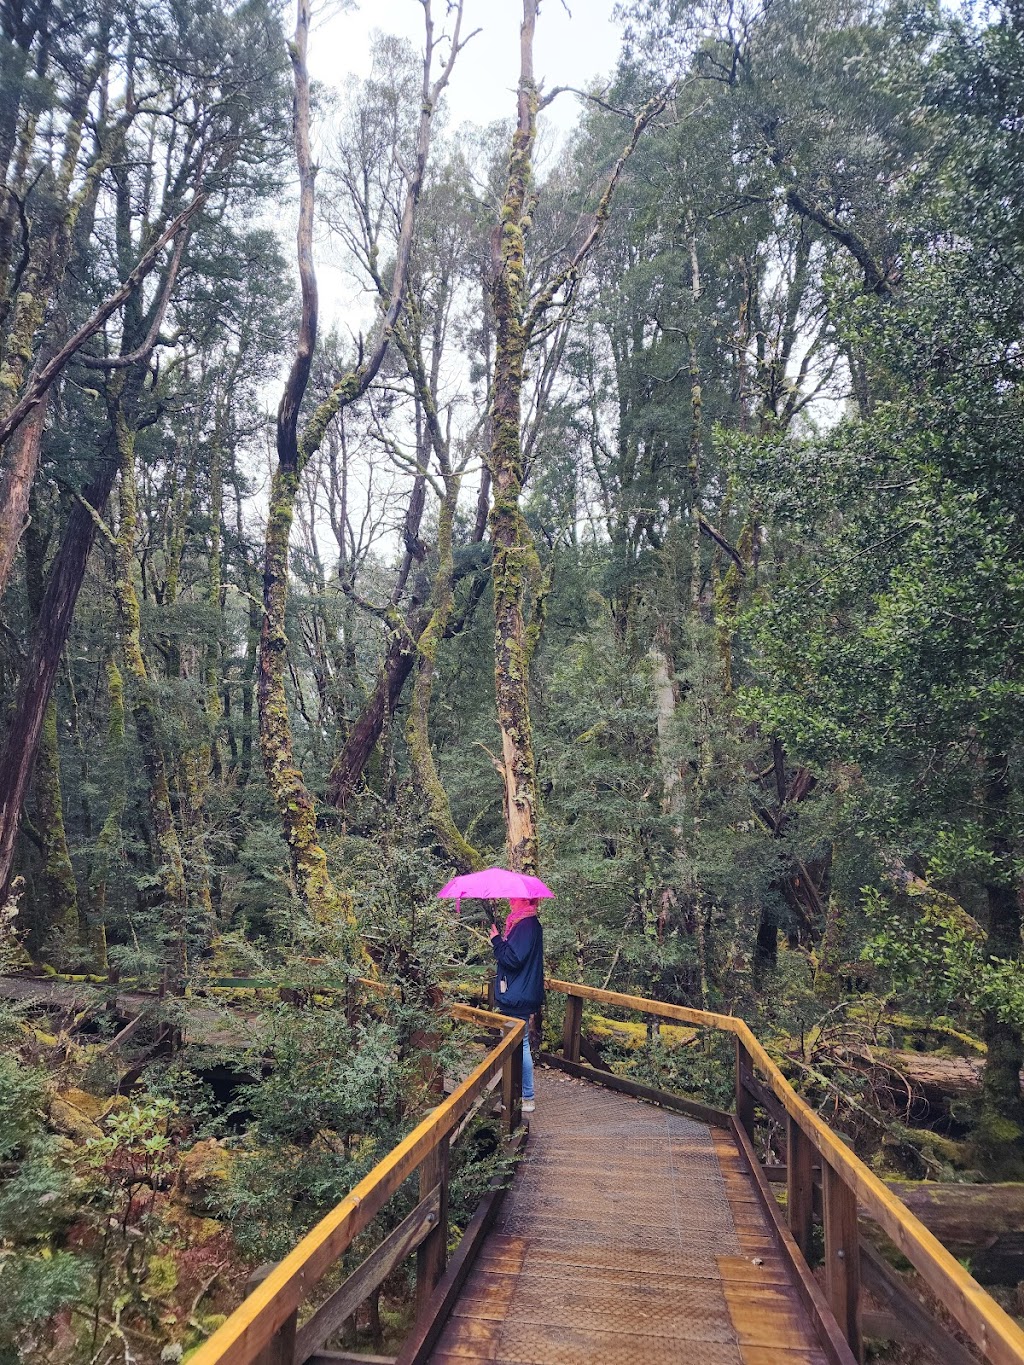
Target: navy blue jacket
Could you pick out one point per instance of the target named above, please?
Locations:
(520, 968)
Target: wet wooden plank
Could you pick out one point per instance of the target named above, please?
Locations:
(628, 1233)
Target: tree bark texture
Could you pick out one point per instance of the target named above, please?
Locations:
(58, 873)
(516, 567)
(515, 558)
(55, 615)
(109, 840)
(426, 778)
(170, 863)
(296, 807)
(58, 876)
(1003, 1106)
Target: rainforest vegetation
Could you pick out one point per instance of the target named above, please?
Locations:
(652, 520)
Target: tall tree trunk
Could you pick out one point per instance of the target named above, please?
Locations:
(58, 873)
(515, 558)
(109, 840)
(426, 778)
(40, 668)
(515, 566)
(61, 890)
(295, 805)
(1002, 1118)
(168, 855)
(17, 475)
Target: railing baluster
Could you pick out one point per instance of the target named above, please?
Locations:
(799, 1186)
(744, 1099)
(512, 1089)
(432, 1255)
(572, 1028)
(842, 1255)
(280, 1349)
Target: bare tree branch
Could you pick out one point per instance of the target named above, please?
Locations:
(38, 385)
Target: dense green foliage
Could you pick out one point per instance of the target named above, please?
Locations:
(772, 442)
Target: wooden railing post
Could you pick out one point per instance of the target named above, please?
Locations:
(744, 1099)
(799, 1186)
(280, 1349)
(842, 1255)
(572, 1028)
(432, 1255)
(512, 1089)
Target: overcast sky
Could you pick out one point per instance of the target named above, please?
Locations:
(575, 43)
(569, 50)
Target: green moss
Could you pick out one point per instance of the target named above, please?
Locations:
(161, 1276)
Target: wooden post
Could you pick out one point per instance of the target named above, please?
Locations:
(512, 1089)
(572, 1027)
(491, 995)
(744, 1099)
(799, 1186)
(432, 1255)
(842, 1255)
(280, 1349)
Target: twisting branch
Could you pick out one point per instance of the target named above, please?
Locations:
(714, 534)
(354, 383)
(121, 362)
(568, 275)
(39, 384)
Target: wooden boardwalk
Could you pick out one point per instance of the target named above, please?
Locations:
(631, 1236)
(632, 1232)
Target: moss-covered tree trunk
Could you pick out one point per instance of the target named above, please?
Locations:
(1001, 1122)
(514, 553)
(167, 845)
(426, 778)
(109, 841)
(17, 753)
(59, 875)
(295, 805)
(191, 771)
(516, 316)
(60, 887)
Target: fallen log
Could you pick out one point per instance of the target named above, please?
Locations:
(935, 1077)
(198, 1023)
(984, 1222)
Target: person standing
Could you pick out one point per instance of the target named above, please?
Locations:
(519, 989)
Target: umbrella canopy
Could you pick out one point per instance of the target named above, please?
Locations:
(495, 883)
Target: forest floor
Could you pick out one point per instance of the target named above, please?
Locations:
(165, 1247)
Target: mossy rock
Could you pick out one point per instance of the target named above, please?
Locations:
(69, 1121)
(92, 1106)
(201, 1170)
(161, 1276)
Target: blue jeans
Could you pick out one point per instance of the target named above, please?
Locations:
(527, 1066)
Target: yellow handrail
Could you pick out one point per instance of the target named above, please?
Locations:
(988, 1326)
(253, 1324)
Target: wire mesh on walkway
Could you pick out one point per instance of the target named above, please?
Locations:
(624, 1242)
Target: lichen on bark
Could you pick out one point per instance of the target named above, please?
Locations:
(426, 778)
(294, 803)
(167, 845)
(58, 873)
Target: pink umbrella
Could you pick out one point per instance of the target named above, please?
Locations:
(492, 884)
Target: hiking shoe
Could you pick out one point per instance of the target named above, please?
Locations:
(529, 1106)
